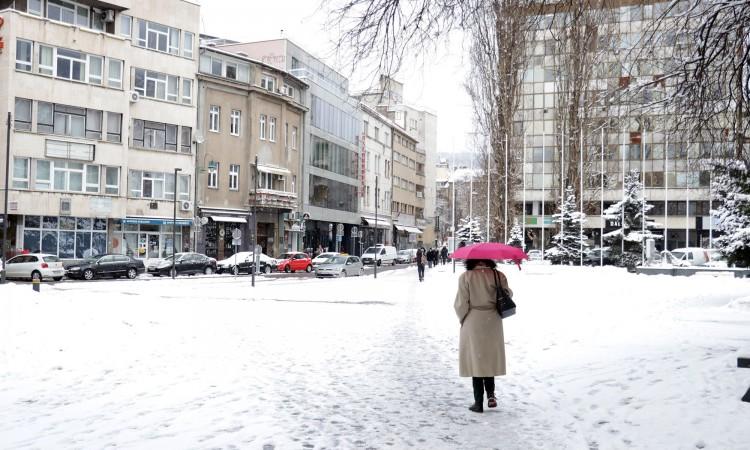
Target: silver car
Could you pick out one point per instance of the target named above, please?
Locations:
(340, 266)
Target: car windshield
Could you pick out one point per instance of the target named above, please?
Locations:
(678, 255)
(403, 252)
(287, 255)
(372, 250)
(336, 260)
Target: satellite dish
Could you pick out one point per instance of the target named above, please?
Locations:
(199, 139)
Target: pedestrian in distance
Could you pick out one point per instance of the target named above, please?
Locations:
(421, 259)
(429, 257)
(444, 254)
(481, 346)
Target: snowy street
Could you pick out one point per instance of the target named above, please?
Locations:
(598, 358)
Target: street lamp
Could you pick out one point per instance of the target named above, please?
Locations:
(5, 192)
(174, 224)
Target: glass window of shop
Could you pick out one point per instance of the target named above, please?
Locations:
(146, 241)
(334, 158)
(331, 194)
(66, 237)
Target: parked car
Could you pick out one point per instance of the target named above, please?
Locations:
(597, 256)
(322, 258)
(534, 255)
(242, 262)
(383, 254)
(340, 266)
(407, 256)
(187, 263)
(35, 266)
(294, 261)
(115, 266)
(684, 257)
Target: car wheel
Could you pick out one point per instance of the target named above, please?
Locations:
(36, 275)
(361, 271)
(57, 278)
(308, 269)
(267, 269)
(173, 272)
(208, 270)
(88, 274)
(379, 263)
(287, 269)
(393, 263)
(343, 273)
(132, 273)
(235, 270)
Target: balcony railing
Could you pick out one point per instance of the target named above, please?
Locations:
(271, 198)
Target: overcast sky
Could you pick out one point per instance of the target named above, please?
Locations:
(433, 81)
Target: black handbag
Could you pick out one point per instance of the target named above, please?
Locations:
(505, 305)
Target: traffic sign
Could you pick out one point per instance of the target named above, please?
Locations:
(340, 229)
(354, 231)
(236, 234)
(237, 242)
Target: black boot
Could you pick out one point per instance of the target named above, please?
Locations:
(478, 385)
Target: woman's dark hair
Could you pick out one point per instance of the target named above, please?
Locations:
(472, 263)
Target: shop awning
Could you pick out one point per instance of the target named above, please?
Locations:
(408, 229)
(156, 221)
(228, 219)
(382, 222)
(273, 169)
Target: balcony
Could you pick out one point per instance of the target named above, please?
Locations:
(270, 198)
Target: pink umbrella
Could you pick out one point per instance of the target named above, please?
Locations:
(491, 250)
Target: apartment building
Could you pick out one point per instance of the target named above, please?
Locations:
(102, 95)
(331, 165)
(248, 113)
(377, 162)
(408, 190)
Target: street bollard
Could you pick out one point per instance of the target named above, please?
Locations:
(35, 283)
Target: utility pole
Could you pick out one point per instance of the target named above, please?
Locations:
(174, 225)
(255, 224)
(5, 210)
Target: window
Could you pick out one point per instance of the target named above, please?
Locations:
(114, 73)
(68, 12)
(43, 179)
(93, 124)
(213, 175)
(187, 91)
(112, 180)
(187, 44)
(22, 114)
(155, 85)
(294, 138)
(231, 70)
(154, 135)
(272, 130)
(234, 124)
(157, 37)
(377, 133)
(71, 65)
(34, 7)
(24, 50)
(174, 41)
(214, 118)
(234, 177)
(92, 179)
(114, 127)
(126, 25)
(46, 60)
(20, 173)
(268, 82)
(69, 121)
(67, 176)
(262, 127)
(96, 69)
(186, 141)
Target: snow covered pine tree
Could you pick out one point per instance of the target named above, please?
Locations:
(630, 209)
(469, 231)
(568, 240)
(516, 235)
(731, 187)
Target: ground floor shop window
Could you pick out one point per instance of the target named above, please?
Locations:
(146, 241)
(66, 237)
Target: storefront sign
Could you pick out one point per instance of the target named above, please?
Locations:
(156, 221)
(363, 165)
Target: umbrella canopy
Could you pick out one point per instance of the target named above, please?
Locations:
(490, 250)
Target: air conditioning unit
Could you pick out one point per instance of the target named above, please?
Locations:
(294, 215)
(153, 205)
(65, 206)
(108, 16)
(186, 205)
(134, 96)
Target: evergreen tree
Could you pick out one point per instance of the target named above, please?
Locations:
(569, 240)
(631, 210)
(731, 187)
(469, 231)
(516, 235)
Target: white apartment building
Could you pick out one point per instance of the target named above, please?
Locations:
(102, 95)
(377, 161)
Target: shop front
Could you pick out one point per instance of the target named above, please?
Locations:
(67, 237)
(149, 237)
(217, 235)
(331, 236)
(406, 236)
(376, 232)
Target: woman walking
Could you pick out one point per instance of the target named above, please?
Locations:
(481, 344)
(421, 259)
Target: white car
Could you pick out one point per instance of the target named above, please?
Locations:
(380, 254)
(35, 266)
(322, 258)
(534, 255)
(243, 262)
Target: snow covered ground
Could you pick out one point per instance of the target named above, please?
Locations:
(598, 359)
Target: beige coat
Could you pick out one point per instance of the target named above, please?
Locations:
(481, 345)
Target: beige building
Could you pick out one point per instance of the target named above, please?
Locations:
(247, 110)
(377, 161)
(103, 101)
(408, 190)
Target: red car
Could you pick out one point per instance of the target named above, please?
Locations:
(294, 261)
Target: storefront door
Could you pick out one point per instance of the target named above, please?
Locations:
(151, 242)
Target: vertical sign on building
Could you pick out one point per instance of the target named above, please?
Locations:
(363, 165)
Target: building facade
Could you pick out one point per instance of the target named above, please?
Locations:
(377, 162)
(248, 111)
(331, 166)
(102, 95)
(408, 190)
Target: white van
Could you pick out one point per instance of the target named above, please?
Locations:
(383, 254)
(690, 256)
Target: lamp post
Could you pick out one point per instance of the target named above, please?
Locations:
(375, 262)
(255, 224)
(5, 210)
(174, 224)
